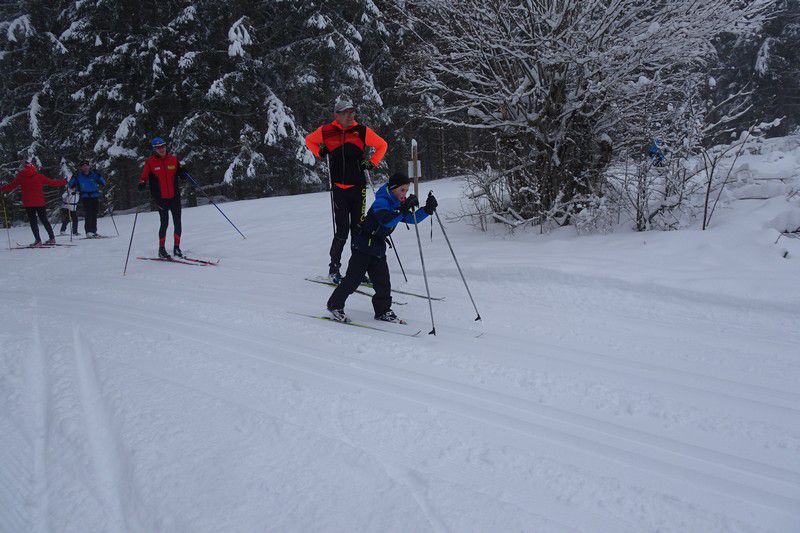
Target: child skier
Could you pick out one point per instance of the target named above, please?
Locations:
(32, 184)
(391, 206)
(69, 210)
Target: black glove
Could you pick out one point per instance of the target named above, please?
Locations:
(411, 201)
(367, 164)
(323, 151)
(431, 204)
(141, 186)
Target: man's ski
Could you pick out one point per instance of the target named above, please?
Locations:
(201, 261)
(20, 246)
(369, 285)
(358, 291)
(171, 260)
(358, 325)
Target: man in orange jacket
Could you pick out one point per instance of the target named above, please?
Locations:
(162, 170)
(32, 184)
(344, 141)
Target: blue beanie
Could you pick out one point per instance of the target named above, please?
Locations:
(157, 141)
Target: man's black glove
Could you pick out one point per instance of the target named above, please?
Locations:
(323, 151)
(411, 201)
(141, 186)
(367, 164)
(431, 204)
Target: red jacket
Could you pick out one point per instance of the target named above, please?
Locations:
(346, 148)
(32, 184)
(161, 171)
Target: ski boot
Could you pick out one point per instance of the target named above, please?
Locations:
(338, 315)
(51, 241)
(389, 316)
(162, 253)
(36, 244)
(176, 251)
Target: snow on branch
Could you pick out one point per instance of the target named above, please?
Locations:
(239, 37)
(20, 27)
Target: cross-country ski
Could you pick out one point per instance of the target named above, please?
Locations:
(360, 325)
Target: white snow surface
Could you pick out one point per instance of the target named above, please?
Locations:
(630, 382)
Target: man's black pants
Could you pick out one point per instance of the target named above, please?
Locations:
(378, 269)
(349, 206)
(90, 207)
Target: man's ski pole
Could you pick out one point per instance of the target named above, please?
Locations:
(5, 218)
(391, 242)
(330, 188)
(111, 214)
(478, 315)
(131, 241)
(197, 186)
(424, 273)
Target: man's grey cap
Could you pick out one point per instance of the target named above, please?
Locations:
(342, 103)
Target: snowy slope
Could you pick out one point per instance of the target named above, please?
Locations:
(630, 382)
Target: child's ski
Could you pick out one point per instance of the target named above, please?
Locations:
(359, 325)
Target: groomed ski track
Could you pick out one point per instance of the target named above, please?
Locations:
(600, 398)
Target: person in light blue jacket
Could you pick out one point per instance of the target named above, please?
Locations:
(87, 181)
(368, 246)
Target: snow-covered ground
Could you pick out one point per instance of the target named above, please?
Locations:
(629, 382)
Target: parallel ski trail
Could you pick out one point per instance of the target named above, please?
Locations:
(38, 385)
(748, 480)
(107, 458)
(781, 404)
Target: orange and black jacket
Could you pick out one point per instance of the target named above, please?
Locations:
(346, 148)
(162, 173)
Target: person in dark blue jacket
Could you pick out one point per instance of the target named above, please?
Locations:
(87, 182)
(656, 153)
(368, 247)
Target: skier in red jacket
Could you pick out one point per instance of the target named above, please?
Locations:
(162, 171)
(32, 184)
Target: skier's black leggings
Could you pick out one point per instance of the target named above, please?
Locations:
(165, 207)
(41, 212)
(378, 269)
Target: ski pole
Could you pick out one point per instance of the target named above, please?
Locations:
(5, 217)
(197, 186)
(424, 273)
(111, 214)
(131, 241)
(330, 188)
(391, 241)
(478, 317)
